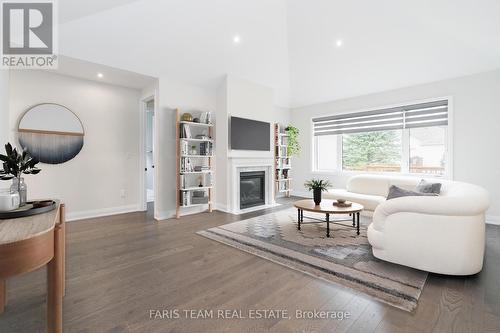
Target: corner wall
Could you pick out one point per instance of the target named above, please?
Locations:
(91, 183)
(476, 119)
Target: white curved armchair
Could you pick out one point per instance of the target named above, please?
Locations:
(444, 234)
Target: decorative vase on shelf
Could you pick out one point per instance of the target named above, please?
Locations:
(19, 186)
(317, 196)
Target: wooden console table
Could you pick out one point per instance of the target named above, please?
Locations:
(29, 243)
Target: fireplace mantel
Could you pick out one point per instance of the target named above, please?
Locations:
(247, 164)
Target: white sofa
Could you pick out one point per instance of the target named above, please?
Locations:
(444, 234)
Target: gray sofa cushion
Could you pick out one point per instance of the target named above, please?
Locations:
(427, 187)
(398, 192)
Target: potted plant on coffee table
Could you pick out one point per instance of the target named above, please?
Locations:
(317, 186)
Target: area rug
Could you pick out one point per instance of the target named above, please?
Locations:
(344, 258)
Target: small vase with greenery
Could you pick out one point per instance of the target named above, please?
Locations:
(293, 140)
(317, 186)
(16, 164)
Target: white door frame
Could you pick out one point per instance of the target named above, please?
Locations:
(142, 151)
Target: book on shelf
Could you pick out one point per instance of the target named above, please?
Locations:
(185, 131)
(200, 168)
(206, 148)
(186, 165)
(185, 198)
(184, 147)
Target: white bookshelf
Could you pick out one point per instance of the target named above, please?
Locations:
(282, 162)
(195, 150)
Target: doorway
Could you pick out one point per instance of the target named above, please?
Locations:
(149, 107)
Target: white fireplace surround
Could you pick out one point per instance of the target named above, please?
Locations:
(239, 165)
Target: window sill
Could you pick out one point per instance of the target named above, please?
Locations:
(400, 174)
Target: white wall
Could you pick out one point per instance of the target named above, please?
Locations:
(476, 119)
(91, 183)
(187, 98)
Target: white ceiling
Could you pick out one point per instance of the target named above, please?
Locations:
(288, 45)
(388, 44)
(188, 40)
(74, 9)
(89, 71)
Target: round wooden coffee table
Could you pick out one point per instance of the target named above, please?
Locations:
(327, 207)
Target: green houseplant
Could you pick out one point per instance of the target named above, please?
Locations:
(293, 140)
(317, 186)
(16, 164)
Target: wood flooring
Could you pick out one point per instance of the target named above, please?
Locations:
(119, 268)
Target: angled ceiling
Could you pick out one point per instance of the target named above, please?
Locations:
(289, 45)
(70, 10)
(387, 44)
(188, 40)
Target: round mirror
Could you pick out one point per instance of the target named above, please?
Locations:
(51, 133)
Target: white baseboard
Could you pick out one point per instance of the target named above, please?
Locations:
(89, 214)
(221, 207)
(490, 219)
(165, 215)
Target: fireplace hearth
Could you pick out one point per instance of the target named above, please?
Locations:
(252, 189)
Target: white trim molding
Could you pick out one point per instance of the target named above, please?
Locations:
(89, 214)
(238, 165)
(492, 219)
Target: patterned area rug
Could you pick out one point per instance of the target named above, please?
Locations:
(343, 258)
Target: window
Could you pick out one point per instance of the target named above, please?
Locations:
(428, 150)
(406, 139)
(326, 152)
(378, 151)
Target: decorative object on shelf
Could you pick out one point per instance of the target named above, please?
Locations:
(293, 140)
(206, 118)
(200, 181)
(187, 117)
(52, 133)
(342, 203)
(196, 120)
(19, 186)
(8, 200)
(15, 165)
(317, 186)
(29, 209)
(193, 150)
(203, 137)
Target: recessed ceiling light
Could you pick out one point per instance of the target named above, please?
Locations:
(100, 75)
(236, 39)
(339, 42)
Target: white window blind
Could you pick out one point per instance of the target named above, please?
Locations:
(401, 117)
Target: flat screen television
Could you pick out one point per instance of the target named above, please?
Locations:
(247, 134)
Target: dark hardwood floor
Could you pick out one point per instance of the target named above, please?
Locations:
(121, 267)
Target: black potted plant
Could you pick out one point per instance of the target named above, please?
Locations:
(16, 164)
(317, 186)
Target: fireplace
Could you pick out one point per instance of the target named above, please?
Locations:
(252, 189)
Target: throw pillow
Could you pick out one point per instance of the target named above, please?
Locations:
(427, 187)
(398, 192)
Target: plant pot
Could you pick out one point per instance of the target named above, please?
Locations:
(317, 196)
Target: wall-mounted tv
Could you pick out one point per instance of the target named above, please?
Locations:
(247, 134)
